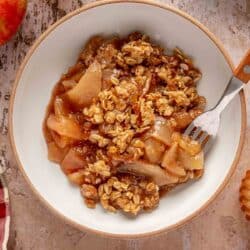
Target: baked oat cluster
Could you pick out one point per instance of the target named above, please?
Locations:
(115, 120)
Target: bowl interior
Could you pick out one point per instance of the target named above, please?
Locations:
(58, 51)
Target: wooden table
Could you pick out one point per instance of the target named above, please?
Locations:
(221, 226)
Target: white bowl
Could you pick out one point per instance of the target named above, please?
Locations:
(57, 49)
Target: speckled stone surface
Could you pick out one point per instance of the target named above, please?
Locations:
(220, 227)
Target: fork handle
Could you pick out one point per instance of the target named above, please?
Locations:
(242, 72)
(233, 88)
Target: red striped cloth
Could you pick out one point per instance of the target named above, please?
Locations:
(4, 214)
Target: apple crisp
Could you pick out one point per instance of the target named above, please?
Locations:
(115, 122)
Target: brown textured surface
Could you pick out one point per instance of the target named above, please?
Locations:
(222, 226)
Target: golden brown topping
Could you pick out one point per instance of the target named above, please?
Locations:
(123, 139)
(135, 52)
(147, 112)
(179, 98)
(163, 107)
(100, 168)
(165, 74)
(116, 119)
(110, 117)
(98, 139)
(94, 113)
(89, 191)
(136, 149)
(129, 194)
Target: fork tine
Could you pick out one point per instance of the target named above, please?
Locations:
(196, 133)
(206, 145)
(189, 129)
(202, 138)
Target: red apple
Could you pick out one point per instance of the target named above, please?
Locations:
(11, 15)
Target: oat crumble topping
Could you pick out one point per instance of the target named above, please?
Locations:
(116, 119)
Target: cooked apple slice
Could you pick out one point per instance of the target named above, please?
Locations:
(55, 153)
(65, 126)
(61, 141)
(77, 177)
(170, 156)
(191, 162)
(155, 172)
(192, 147)
(60, 107)
(87, 88)
(106, 78)
(169, 161)
(183, 119)
(176, 170)
(73, 161)
(162, 131)
(154, 150)
(147, 85)
(69, 84)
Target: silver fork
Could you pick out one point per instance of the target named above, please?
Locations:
(205, 127)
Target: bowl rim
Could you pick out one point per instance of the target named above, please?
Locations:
(228, 59)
